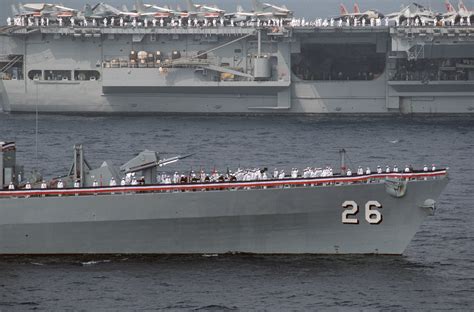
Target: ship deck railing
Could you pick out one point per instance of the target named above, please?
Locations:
(227, 185)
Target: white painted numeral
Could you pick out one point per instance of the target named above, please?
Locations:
(351, 209)
(373, 216)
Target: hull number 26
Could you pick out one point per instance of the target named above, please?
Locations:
(372, 216)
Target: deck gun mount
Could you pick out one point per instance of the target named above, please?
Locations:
(145, 165)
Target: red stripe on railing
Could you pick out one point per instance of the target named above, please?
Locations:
(218, 186)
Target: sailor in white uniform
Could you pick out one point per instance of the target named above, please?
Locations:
(425, 168)
(281, 175)
(395, 168)
(77, 184)
(349, 172)
(123, 182)
(360, 171)
(11, 186)
(44, 185)
(28, 186)
(95, 183)
(368, 171)
(433, 167)
(407, 169)
(60, 184)
(379, 169)
(275, 173)
(112, 182)
(387, 169)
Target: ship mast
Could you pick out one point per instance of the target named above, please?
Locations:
(342, 154)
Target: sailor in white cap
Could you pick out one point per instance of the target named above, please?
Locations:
(11, 186)
(281, 175)
(379, 169)
(433, 167)
(407, 169)
(425, 168)
(368, 171)
(387, 169)
(349, 172)
(123, 182)
(60, 184)
(28, 185)
(95, 183)
(360, 171)
(395, 168)
(44, 185)
(112, 182)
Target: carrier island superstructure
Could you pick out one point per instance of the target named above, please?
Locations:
(223, 67)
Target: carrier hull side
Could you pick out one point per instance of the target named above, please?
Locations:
(307, 98)
(288, 220)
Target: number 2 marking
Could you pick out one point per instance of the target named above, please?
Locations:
(354, 209)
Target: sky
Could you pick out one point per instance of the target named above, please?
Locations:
(302, 8)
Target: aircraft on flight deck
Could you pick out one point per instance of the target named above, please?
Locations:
(464, 12)
(412, 12)
(369, 14)
(43, 10)
(450, 16)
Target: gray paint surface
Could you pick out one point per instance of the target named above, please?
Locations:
(282, 220)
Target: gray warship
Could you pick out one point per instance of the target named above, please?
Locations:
(153, 59)
(132, 210)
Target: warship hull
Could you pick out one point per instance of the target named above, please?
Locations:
(287, 220)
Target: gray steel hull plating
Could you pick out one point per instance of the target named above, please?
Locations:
(288, 220)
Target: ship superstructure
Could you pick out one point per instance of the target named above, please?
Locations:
(162, 60)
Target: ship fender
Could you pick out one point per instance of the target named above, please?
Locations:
(396, 188)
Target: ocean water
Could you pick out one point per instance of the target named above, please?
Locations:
(435, 273)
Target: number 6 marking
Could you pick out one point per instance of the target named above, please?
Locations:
(373, 216)
(354, 209)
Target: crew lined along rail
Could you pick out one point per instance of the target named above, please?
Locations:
(229, 186)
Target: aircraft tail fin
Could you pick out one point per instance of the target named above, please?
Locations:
(343, 9)
(356, 8)
(449, 6)
(257, 6)
(190, 6)
(14, 10)
(87, 10)
(139, 6)
(461, 6)
(240, 8)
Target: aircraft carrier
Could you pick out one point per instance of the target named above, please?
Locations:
(204, 60)
(325, 213)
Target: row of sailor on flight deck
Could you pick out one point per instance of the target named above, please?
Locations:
(372, 22)
(112, 22)
(240, 175)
